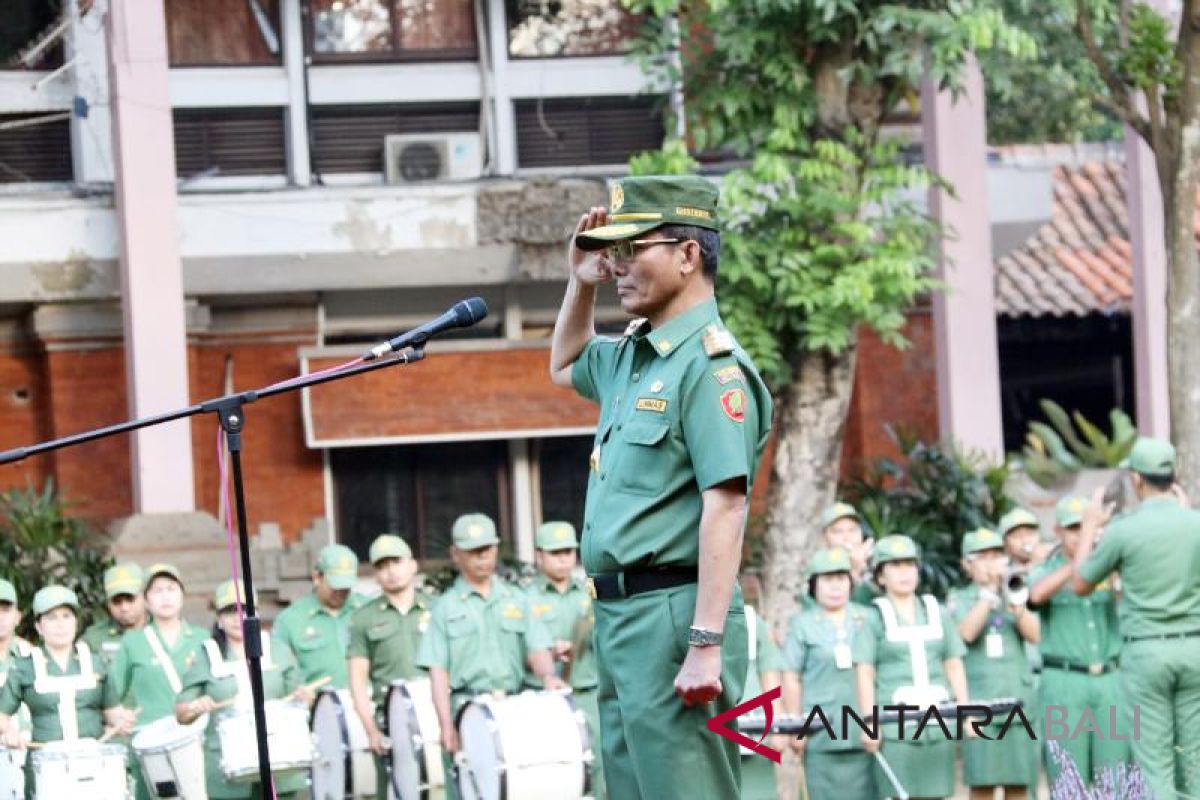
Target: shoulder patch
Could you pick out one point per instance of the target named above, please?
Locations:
(717, 341)
(729, 374)
(633, 326)
(733, 403)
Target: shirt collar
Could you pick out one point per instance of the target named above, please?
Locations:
(466, 590)
(668, 338)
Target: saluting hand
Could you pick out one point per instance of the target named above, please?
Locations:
(589, 267)
(699, 679)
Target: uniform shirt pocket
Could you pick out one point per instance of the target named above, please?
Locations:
(457, 627)
(377, 633)
(644, 456)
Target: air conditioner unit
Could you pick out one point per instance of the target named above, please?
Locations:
(415, 157)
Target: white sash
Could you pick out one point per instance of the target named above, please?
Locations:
(922, 692)
(66, 686)
(236, 668)
(164, 660)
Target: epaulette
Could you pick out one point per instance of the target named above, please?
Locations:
(718, 341)
(633, 326)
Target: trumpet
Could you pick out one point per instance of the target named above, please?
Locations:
(1014, 588)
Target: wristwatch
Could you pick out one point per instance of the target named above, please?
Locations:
(702, 637)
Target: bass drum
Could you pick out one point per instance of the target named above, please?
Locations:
(344, 767)
(412, 726)
(12, 774)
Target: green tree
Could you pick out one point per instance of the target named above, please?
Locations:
(820, 231)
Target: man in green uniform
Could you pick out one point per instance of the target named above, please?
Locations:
(384, 636)
(1080, 646)
(126, 608)
(563, 605)
(684, 417)
(481, 634)
(317, 626)
(1156, 550)
(1022, 539)
(842, 526)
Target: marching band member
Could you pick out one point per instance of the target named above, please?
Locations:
(59, 681)
(221, 675)
(910, 653)
(818, 671)
(842, 526)
(995, 627)
(384, 636)
(126, 609)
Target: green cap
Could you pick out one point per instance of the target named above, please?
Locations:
(1153, 457)
(8, 592)
(827, 560)
(126, 578)
(339, 565)
(556, 536)
(981, 539)
(388, 545)
(49, 598)
(224, 596)
(154, 570)
(896, 547)
(641, 204)
(1018, 518)
(1068, 512)
(839, 511)
(473, 531)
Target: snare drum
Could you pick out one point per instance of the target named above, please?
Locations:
(345, 766)
(533, 745)
(172, 758)
(12, 774)
(288, 739)
(78, 769)
(412, 725)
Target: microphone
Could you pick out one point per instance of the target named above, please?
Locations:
(462, 314)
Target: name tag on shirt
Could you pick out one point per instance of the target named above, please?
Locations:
(993, 645)
(841, 656)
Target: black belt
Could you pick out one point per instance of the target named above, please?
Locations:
(1097, 668)
(1162, 637)
(615, 585)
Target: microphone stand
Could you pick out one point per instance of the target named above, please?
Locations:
(231, 415)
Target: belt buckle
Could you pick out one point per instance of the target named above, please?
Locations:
(1095, 669)
(591, 588)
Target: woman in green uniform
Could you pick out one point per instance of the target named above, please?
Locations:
(818, 671)
(995, 627)
(58, 681)
(910, 653)
(219, 679)
(148, 666)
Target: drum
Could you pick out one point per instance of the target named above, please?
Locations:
(288, 739)
(12, 774)
(344, 767)
(80, 768)
(172, 758)
(533, 745)
(412, 726)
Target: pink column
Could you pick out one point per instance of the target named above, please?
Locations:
(964, 315)
(151, 272)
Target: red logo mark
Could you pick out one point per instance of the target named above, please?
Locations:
(717, 724)
(733, 403)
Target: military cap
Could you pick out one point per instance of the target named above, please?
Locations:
(1018, 518)
(837, 511)
(170, 570)
(8, 592)
(981, 539)
(388, 545)
(556, 536)
(49, 598)
(638, 205)
(124, 578)
(224, 596)
(1068, 512)
(828, 560)
(896, 547)
(1152, 457)
(473, 531)
(339, 565)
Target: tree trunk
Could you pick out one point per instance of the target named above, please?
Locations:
(810, 421)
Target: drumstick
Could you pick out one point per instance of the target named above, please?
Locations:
(111, 732)
(317, 684)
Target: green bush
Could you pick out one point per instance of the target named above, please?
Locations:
(40, 544)
(934, 495)
(1071, 443)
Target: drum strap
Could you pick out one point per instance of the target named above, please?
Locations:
(66, 686)
(913, 635)
(236, 668)
(164, 660)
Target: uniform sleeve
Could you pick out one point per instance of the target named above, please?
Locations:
(13, 692)
(1105, 559)
(864, 648)
(955, 647)
(195, 679)
(434, 650)
(358, 637)
(594, 366)
(537, 635)
(795, 650)
(120, 670)
(283, 657)
(958, 604)
(720, 420)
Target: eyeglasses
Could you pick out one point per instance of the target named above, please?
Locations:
(627, 248)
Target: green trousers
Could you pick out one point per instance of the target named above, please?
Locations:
(758, 778)
(1076, 693)
(655, 747)
(1162, 679)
